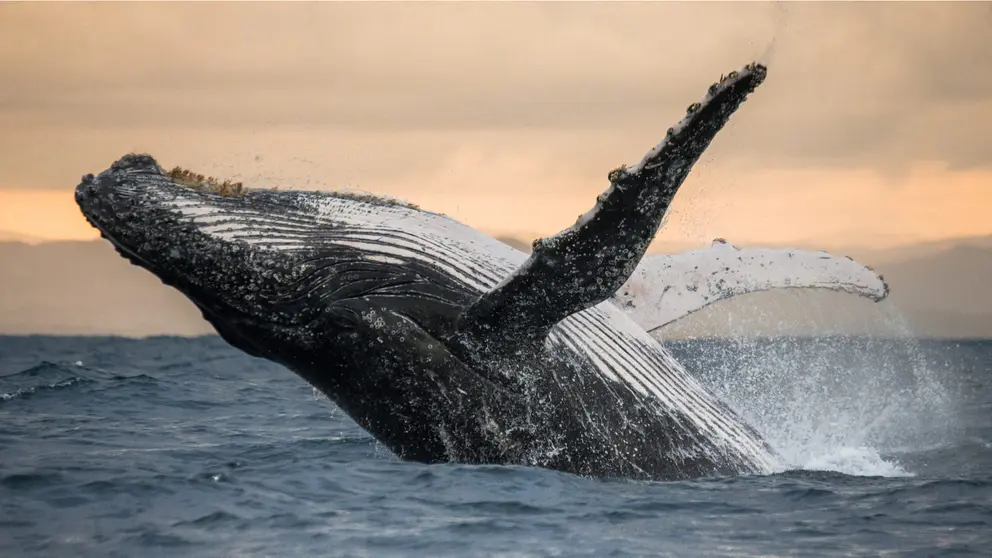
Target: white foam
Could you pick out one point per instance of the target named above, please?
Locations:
(830, 405)
(857, 461)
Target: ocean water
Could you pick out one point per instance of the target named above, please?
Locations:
(187, 447)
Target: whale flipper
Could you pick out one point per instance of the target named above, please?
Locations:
(665, 288)
(585, 264)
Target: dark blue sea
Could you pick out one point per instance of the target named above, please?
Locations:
(186, 447)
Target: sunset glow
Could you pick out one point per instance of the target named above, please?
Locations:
(885, 145)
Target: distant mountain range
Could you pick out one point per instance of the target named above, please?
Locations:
(941, 289)
(80, 288)
(10, 236)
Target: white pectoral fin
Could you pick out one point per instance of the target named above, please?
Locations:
(665, 288)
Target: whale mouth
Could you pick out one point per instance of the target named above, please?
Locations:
(98, 197)
(105, 225)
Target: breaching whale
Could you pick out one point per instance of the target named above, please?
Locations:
(450, 346)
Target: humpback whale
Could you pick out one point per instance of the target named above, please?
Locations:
(450, 346)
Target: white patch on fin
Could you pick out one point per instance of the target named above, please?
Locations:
(665, 288)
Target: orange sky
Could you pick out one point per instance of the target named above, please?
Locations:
(872, 128)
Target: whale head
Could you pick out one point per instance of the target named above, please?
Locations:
(287, 261)
(332, 285)
(173, 224)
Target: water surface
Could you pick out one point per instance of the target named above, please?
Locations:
(187, 447)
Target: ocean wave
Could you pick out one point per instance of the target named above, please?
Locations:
(44, 376)
(855, 461)
(51, 376)
(27, 392)
(42, 369)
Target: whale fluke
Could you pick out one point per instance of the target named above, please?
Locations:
(666, 288)
(585, 264)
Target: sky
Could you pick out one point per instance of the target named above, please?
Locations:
(872, 128)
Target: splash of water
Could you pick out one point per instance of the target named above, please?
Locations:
(850, 404)
(861, 461)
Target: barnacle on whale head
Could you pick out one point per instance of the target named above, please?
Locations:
(209, 184)
(228, 188)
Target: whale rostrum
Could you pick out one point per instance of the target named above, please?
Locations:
(447, 345)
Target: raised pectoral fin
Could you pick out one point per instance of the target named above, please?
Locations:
(585, 264)
(666, 288)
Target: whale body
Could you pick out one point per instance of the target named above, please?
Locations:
(450, 346)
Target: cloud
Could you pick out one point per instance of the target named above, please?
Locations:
(880, 85)
(850, 83)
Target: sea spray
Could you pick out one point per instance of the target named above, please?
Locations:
(845, 403)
